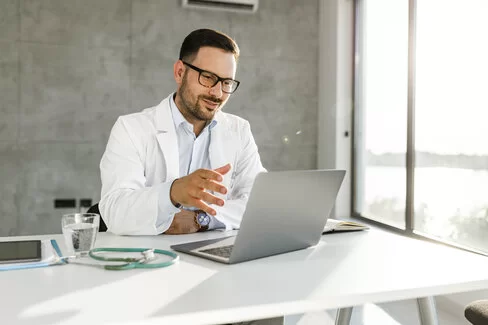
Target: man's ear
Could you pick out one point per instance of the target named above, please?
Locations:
(178, 71)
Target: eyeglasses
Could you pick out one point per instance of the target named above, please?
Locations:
(209, 80)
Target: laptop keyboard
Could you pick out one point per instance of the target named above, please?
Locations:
(223, 251)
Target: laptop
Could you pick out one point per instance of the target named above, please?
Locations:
(286, 211)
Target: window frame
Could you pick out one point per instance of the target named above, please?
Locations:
(357, 119)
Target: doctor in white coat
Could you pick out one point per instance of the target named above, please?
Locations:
(184, 165)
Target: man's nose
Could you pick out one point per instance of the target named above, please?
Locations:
(217, 90)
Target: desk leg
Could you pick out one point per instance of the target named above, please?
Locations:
(344, 316)
(427, 311)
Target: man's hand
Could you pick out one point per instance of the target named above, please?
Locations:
(183, 223)
(192, 190)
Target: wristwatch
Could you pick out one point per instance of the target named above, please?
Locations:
(202, 219)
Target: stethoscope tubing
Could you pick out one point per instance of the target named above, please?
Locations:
(130, 262)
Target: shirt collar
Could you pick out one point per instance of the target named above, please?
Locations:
(179, 118)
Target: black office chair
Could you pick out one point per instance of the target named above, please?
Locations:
(477, 312)
(94, 209)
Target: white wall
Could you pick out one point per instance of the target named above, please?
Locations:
(335, 93)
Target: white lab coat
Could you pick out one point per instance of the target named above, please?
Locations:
(142, 160)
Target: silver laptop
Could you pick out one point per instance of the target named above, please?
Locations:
(286, 211)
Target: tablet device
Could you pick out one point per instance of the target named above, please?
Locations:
(20, 251)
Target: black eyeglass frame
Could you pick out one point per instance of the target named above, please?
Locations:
(219, 79)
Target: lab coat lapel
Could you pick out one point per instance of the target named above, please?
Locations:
(168, 142)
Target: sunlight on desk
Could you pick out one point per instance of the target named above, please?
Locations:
(119, 297)
(350, 269)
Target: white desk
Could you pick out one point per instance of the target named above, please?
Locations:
(344, 270)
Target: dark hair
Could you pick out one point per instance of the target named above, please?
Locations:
(207, 37)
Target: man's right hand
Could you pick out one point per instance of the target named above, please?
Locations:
(191, 190)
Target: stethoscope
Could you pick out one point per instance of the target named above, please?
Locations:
(148, 254)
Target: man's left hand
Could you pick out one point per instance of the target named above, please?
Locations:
(183, 223)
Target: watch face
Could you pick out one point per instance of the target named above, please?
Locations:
(203, 219)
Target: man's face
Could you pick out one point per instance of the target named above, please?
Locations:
(197, 102)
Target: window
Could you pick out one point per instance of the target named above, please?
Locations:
(450, 124)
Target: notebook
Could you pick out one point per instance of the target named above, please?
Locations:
(286, 211)
(334, 225)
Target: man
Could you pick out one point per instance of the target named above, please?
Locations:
(182, 166)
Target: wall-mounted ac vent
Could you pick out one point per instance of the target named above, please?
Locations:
(247, 6)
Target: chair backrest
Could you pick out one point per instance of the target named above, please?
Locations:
(94, 209)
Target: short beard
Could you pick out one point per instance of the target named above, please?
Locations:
(194, 110)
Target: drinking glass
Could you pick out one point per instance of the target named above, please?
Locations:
(80, 232)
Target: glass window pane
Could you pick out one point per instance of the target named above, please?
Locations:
(451, 128)
(381, 110)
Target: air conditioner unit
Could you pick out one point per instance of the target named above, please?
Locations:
(246, 6)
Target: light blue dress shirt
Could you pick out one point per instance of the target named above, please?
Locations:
(193, 152)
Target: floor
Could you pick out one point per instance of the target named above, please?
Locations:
(394, 313)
